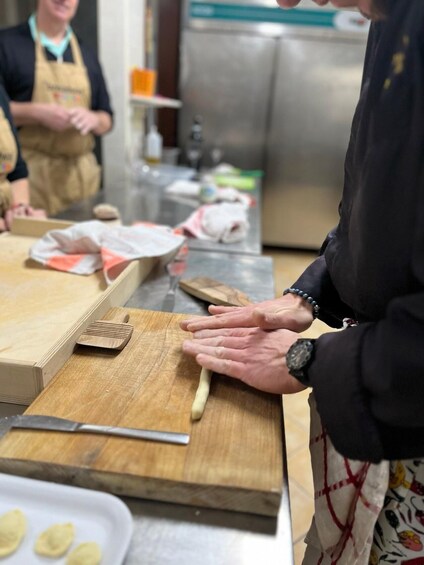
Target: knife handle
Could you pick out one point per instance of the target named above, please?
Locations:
(152, 435)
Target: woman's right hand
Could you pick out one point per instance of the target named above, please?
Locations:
(287, 312)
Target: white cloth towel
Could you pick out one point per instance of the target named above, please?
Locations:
(191, 189)
(90, 246)
(225, 222)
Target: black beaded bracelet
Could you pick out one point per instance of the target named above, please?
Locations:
(305, 296)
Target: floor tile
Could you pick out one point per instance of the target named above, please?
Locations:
(288, 265)
(299, 552)
(296, 406)
(302, 509)
(297, 435)
(299, 470)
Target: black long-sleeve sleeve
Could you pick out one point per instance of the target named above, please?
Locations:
(368, 380)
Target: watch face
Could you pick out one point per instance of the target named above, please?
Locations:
(299, 354)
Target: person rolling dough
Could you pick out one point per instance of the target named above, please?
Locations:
(59, 102)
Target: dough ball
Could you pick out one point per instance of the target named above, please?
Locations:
(55, 541)
(12, 531)
(106, 212)
(88, 553)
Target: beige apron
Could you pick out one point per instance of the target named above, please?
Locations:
(8, 158)
(62, 166)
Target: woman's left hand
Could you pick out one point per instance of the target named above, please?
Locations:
(83, 120)
(252, 355)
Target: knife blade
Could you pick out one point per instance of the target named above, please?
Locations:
(52, 423)
(175, 269)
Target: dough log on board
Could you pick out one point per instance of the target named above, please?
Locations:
(202, 394)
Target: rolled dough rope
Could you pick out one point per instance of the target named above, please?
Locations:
(202, 394)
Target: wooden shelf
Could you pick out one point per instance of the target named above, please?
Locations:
(154, 101)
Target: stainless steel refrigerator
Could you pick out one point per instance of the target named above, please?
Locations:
(277, 91)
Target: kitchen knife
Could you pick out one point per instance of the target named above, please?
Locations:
(52, 423)
(175, 269)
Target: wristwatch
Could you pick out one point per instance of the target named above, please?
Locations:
(299, 357)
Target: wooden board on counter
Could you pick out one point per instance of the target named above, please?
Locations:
(215, 292)
(43, 311)
(234, 459)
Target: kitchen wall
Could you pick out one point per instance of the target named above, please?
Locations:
(121, 47)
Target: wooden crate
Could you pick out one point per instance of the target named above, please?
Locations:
(44, 311)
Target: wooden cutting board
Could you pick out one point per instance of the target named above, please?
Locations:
(215, 292)
(234, 459)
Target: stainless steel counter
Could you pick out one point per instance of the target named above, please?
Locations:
(169, 534)
(249, 273)
(138, 201)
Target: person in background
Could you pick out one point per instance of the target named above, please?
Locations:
(59, 102)
(367, 376)
(14, 190)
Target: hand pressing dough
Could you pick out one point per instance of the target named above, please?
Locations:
(202, 394)
(88, 553)
(55, 541)
(12, 531)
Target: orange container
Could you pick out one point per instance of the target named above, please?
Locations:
(143, 81)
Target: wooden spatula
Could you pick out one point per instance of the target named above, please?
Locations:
(112, 333)
(214, 292)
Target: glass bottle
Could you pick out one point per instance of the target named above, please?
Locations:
(194, 148)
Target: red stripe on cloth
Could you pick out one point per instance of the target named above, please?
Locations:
(113, 264)
(316, 439)
(348, 533)
(64, 262)
(329, 503)
(333, 487)
(355, 476)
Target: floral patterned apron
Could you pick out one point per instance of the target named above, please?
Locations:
(364, 513)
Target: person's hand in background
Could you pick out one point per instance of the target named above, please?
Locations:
(366, 7)
(293, 3)
(85, 121)
(20, 210)
(53, 116)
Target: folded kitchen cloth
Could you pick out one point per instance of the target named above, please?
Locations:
(179, 187)
(87, 247)
(230, 194)
(191, 189)
(226, 222)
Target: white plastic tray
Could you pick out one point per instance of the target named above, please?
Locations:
(97, 516)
